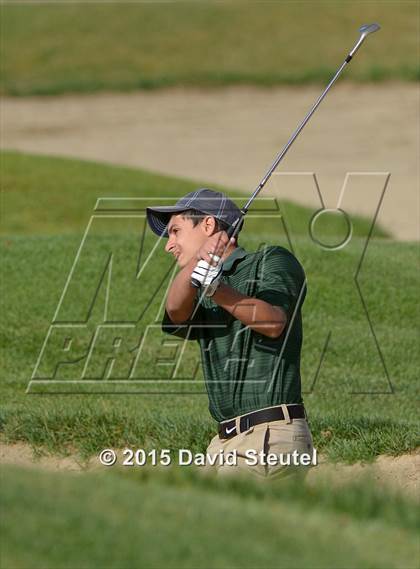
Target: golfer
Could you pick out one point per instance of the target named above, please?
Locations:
(246, 316)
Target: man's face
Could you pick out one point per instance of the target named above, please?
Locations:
(185, 239)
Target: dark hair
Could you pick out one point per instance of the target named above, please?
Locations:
(198, 216)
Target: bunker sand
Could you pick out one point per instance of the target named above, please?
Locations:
(231, 136)
(400, 473)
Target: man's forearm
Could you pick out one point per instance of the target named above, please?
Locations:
(257, 314)
(181, 295)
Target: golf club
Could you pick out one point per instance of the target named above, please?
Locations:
(364, 30)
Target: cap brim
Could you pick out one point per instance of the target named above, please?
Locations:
(158, 218)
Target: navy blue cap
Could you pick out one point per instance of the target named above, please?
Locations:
(203, 200)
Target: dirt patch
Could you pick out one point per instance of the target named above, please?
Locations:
(231, 136)
(21, 454)
(400, 472)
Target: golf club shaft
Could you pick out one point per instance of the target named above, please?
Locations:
(291, 140)
(366, 29)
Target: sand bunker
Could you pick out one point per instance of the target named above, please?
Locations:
(231, 136)
(400, 472)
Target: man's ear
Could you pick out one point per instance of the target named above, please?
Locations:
(210, 225)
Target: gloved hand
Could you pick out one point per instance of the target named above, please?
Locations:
(208, 275)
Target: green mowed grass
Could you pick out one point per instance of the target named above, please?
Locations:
(175, 517)
(52, 49)
(51, 196)
(360, 396)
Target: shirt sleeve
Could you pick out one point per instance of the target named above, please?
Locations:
(189, 330)
(281, 280)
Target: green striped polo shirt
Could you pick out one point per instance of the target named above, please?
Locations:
(245, 370)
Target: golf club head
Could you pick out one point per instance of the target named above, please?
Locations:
(364, 30)
(367, 29)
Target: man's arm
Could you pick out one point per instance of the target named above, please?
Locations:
(181, 295)
(259, 315)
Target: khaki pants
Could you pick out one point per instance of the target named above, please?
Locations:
(276, 438)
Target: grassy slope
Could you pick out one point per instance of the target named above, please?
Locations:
(50, 49)
(45, 196)
(147, 518)
(55, 196)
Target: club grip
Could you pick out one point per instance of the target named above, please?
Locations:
(230, 231)
(239, 223)
(195, 283)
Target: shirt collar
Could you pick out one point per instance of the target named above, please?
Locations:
(237, 253)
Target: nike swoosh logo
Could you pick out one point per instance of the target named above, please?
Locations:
(228, 431)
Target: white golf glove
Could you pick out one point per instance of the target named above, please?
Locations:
(208, 276)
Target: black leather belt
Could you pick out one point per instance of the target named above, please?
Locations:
(227, 429)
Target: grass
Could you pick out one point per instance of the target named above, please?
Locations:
(357, 408)
(49, 49)
(57, 196)
(172, 517)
